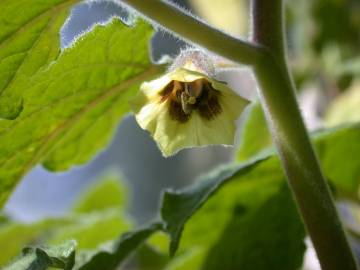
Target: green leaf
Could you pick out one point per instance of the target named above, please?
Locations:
(271, 231)
(149, 258)
(99, 216)
(177, 208)
(110, 256)
(338, 149)
(247, 207)
(107, 256)
(95, 224)
(235, 218)
(41, 258)
(255, 135)
(72, 107)
(107, 193)
(3, 219)
(345, 108)
(93, 229)
(15, 236)
(29, 41)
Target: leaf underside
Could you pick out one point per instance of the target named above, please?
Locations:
(71, 107)
(28, 43)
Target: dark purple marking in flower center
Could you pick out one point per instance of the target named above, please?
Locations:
(185, 97)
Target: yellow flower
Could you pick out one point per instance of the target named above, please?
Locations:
(186, 108)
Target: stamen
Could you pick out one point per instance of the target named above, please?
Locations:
(186, 97)
(185, 103)
(192, 100)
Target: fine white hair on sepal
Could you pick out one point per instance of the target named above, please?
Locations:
(164, 59)
(197, 57)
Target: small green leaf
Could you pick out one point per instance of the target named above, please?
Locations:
(29, 41)
(41, 258)
(177, 208)
(107, 193)
(14, 236)
(255, 135)
(95, 224)
(92, 229)
(107, 257)
(110, 256)
(338, 149)
(72, 107)
(99, 216)
(345, 108)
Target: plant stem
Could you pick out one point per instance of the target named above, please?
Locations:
(277, 95)
(267, 55)
(193, 30)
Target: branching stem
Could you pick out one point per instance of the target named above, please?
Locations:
(277, 95)
(195, 31)
(267, 55)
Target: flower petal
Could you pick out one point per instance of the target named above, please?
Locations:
(172, 135)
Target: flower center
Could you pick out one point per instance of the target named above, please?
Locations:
(186, 97)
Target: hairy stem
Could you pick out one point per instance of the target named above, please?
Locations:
(196, 31)
(267, 55)
(277, 94)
